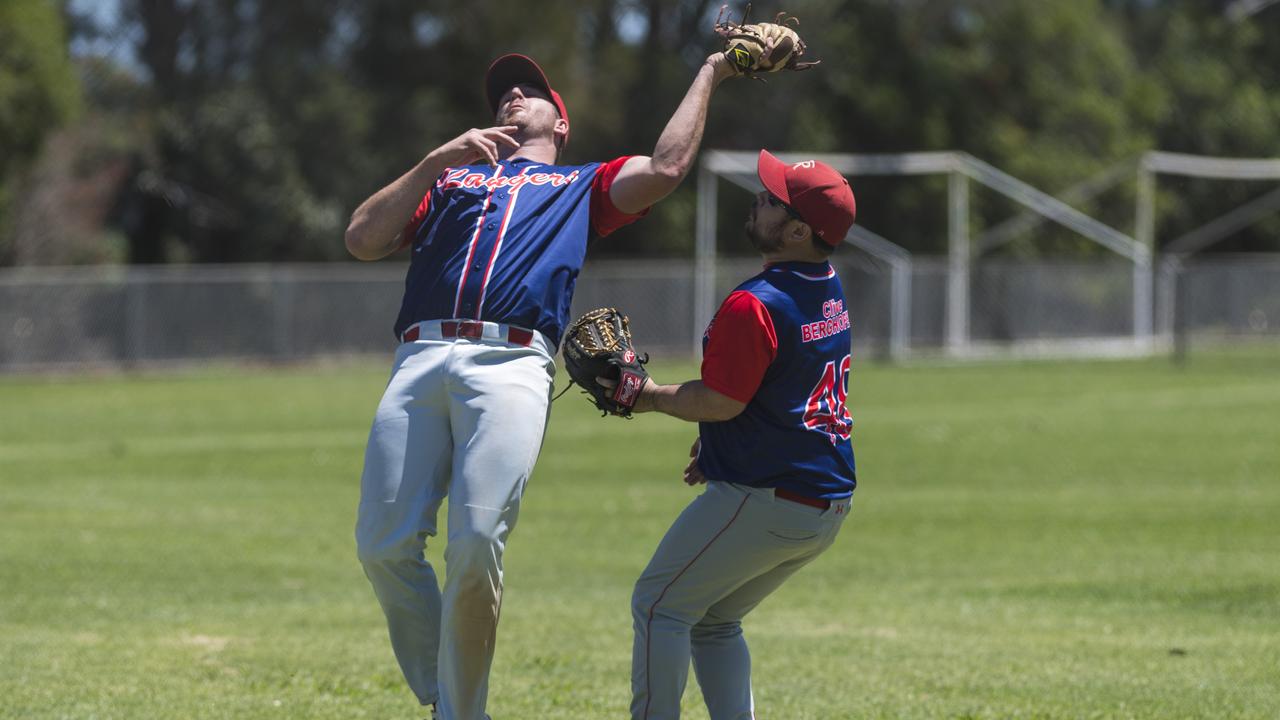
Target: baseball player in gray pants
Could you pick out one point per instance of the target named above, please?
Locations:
(773, 449)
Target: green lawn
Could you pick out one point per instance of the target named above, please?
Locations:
(1089, 540)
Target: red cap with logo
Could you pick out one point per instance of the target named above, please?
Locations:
(514, 69)
(819, 195)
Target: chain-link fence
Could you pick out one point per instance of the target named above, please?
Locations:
(1224, 300)
(118, 316)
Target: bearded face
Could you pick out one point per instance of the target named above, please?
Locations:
(530, 109)
(766, 223)
(765, 241)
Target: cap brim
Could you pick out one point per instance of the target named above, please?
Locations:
(508, 71)
(773, 174)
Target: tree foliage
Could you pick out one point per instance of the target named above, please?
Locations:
(37, 91)
(252, 129)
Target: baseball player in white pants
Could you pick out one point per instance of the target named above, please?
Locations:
(773, 449)
(498, 232)
(431, 439)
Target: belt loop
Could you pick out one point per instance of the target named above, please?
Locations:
(519, 336)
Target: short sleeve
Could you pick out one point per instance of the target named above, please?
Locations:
(411, 229)
(605, 216)
(741, 344)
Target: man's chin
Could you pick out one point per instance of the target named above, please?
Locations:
(762, 244)
(515, 117)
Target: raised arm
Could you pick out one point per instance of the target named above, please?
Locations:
(643, 181)
(376, 225)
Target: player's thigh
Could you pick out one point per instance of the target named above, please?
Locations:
(736, 604)
(409, 453)
(801, 533)
(499, 407)
(719, 542)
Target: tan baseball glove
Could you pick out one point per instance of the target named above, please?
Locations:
(767, 47)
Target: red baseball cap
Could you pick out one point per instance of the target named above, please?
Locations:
(514, 69)
(819, 195)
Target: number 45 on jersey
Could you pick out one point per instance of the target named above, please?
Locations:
(825, 411)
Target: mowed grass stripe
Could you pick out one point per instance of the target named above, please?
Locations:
(1005, 403)
(155, 446)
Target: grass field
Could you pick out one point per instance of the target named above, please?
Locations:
(1089, 540)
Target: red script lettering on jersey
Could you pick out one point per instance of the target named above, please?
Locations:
(463, 178)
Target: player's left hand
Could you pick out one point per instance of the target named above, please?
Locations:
(692, 473)
(721, 65)
(611, 383)
(757, 48)
(599, 357)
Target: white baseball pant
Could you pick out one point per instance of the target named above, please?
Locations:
(463, 418)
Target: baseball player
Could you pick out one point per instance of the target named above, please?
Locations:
(497, 230)
(773, 448)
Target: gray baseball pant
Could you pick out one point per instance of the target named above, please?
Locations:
(729, 549)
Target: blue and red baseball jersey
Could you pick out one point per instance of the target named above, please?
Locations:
(506, 243)
(781, 344)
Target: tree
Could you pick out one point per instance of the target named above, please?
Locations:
(1223, 100)
(38, 92)
(1048, 92)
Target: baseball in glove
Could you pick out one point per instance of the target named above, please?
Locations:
(598, 344)
(762, 47)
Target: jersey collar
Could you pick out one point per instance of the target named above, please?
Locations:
(808, 268)
(521, 160)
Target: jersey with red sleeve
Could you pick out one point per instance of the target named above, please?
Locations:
(505, 243)
(781, 344)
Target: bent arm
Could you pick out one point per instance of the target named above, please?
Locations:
(692, 401)
(643, 181)
(376, 225)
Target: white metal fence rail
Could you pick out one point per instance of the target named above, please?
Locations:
(962, 339)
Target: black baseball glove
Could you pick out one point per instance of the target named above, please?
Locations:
(598, 344)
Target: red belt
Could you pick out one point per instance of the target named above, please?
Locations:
(472, 329)
(820, 503)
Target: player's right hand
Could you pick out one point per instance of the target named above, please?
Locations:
(693, 475)
(478, 145)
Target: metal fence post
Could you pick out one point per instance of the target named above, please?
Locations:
(282, 282)
(957, 262)
(135, 317)
(1144, 233)
(1166, 297)
(704, 266)
(900, 309)
(1181, 311)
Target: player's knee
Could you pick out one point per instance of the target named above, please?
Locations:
(649, 603)
(643, 600)
(473, 553)
(711, 629)
(383, 552)
(474, 574)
